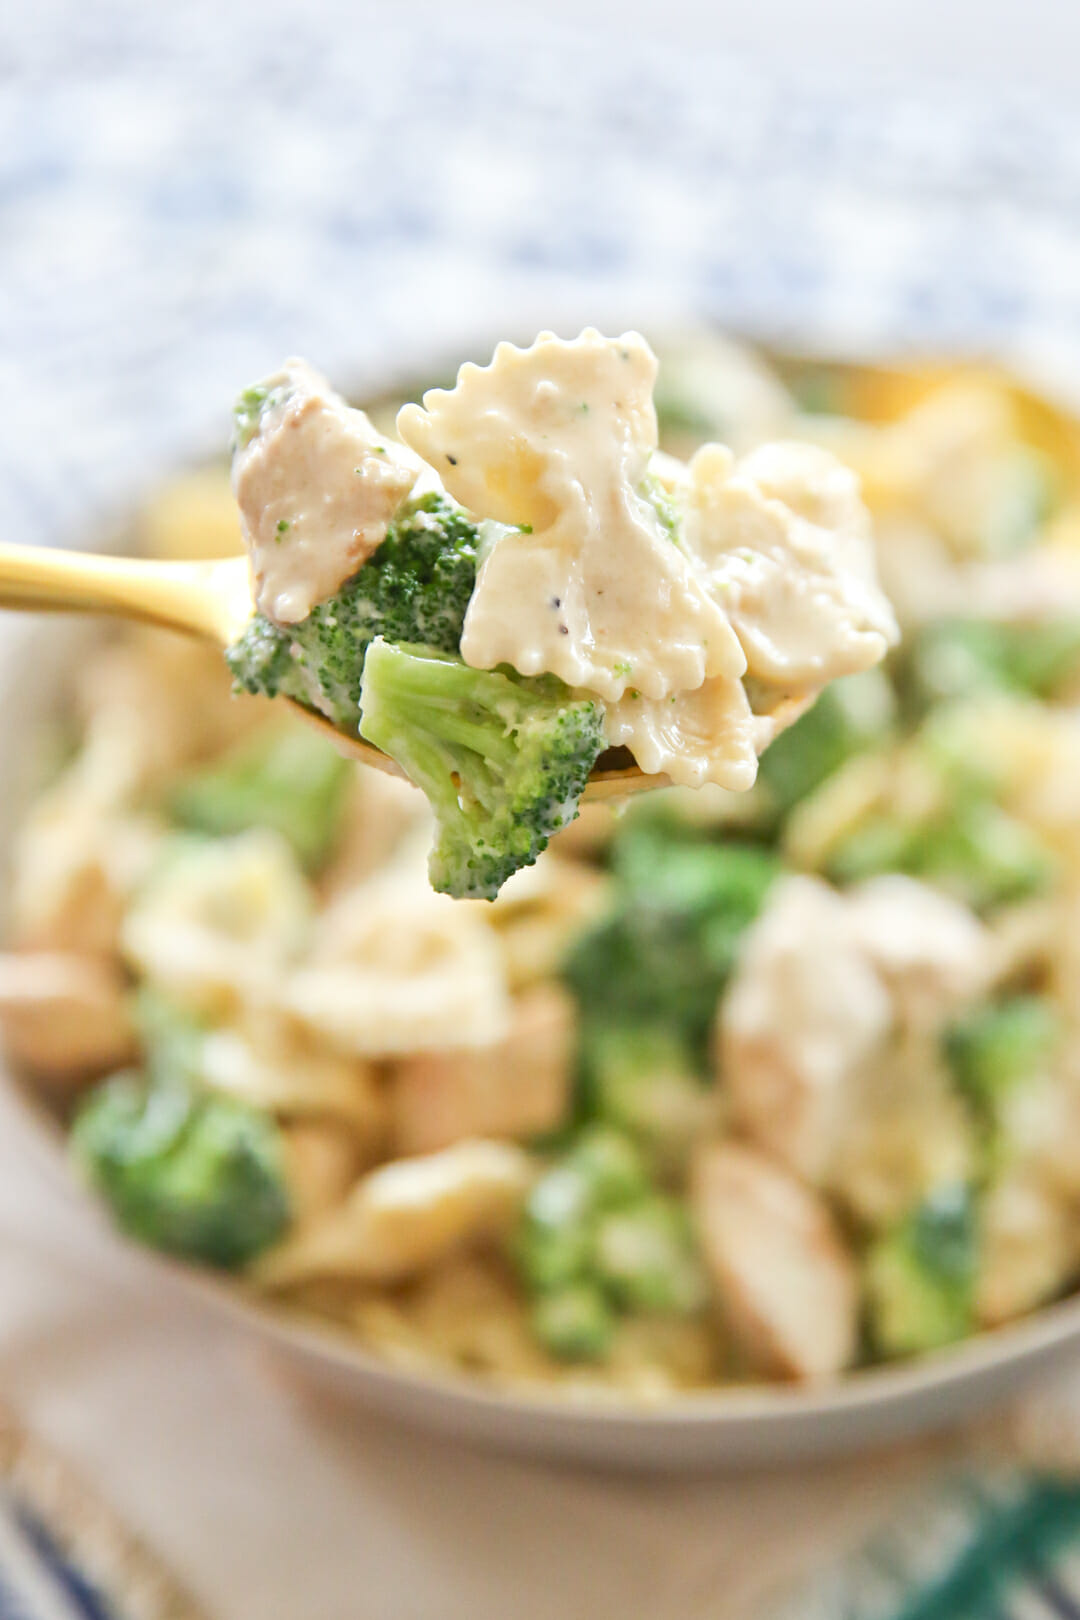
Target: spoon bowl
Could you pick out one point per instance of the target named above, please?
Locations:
(212, 600)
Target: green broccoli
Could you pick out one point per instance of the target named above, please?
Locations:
(1000, 1045)
(645, 1258)
(285, 777)
(920, 1277)
(575, 1323)
(596, 1240)
(1027, 492)
(250, 408)
(644, 1079)
(971, 848)
(666, 948)
(959, 658)
(503, 760)
(197, 1175)
(601, 1171)
(415, 588)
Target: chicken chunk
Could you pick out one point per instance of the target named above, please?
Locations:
(785, 1282)
(517, 1088)
(804, 1010)
(317, 488)
(406, 1216)
(64, 1017)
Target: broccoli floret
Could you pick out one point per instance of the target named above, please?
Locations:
(973, 849)
(962, 658)
(197, 1175)
(664, 952)
(553, 1246)
(848, 716)
(415, 588)
(503, 760)
(595, 1240)
(999, 1046)
(645, 1257)
(920, 1277)
(575, 1323)
(286, 778)
(644, 1079)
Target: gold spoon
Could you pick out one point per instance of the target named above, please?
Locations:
(212, 600)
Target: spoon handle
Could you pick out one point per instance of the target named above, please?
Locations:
(187, 596)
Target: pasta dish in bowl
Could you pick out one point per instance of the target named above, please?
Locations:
(746, 1111)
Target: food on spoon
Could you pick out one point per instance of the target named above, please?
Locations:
(580, 572)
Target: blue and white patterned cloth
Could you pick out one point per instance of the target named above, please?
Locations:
(189, 192)
(63, 1556)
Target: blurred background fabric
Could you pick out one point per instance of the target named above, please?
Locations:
(187, 193)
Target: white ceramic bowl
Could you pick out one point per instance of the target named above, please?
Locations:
(731, 1427)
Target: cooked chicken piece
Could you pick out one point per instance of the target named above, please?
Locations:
(1028, 1248)
(803, 1011)
(322, 1161)
(317, 488)
(64, 1017)
(517, 1088)
(931, 951)
(785, 1283)
(405, 1216)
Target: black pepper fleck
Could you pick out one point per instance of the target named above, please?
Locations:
(563, 631)
(451, 459)
(556, 601)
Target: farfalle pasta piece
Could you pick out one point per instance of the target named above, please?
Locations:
(270, 1066)
(397, 968)
(707, 735)
(590, 585)
(404, 1217)
(784, 541)
(216, 924)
